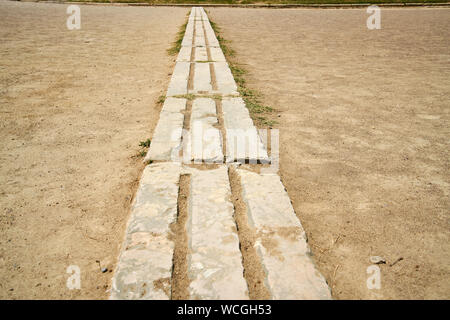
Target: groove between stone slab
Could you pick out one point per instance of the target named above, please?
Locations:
(168, 132)
(179, 81)
(215, 267)
(280, 239)
(243, 141)
(154, 262)
(180, 278)
(202, 78)
(144, 266)
(254, 273)
(206, 141)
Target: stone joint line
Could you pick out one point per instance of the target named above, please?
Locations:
(215, 270)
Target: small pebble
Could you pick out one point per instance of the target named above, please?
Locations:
(377, 260)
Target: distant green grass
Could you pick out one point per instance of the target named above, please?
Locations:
(259, 112)
(176, 46)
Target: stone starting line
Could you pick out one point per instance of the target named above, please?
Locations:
(214, 257)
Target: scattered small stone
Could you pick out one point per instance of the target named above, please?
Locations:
(104, 270)
(377, 260)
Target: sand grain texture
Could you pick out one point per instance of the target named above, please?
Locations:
(364, 134)
(74, 106)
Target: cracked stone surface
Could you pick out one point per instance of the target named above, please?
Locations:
(224, 78)
(281, 241)
(206, 141)
(243, 141)
(144, 268)
(167, 135)
(215, 270)
(202, 78)
(184, 55)
(179, 81)
(215, 267)
(201, 54)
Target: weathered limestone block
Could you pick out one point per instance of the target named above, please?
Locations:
(144, 268)
(215, 267)
(280, 239)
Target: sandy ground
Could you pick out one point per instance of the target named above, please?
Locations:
(74, 106)
(364, 125)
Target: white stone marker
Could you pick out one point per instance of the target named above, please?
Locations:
(215, 267)
(243, 141)
(203, 13)
(179, 81)
(188, 33)
(199, 40)
(167, 135)
(184, 55)
(224, 79)
(201, 54)
(202, 78)
(210, 35)
(281, 241)
(206, 141)
(217, 54)
(144, 269)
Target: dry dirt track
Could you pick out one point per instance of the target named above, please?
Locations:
(73, 107)
(364, 125)
(364, 119)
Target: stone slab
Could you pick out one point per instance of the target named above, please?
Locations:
(199, 40)
(202, 78)
(215, 267)
(184, 55)
(280, 239)
(201, 54)
(206, 140)
(243, 142)
(217, 54)
(144, 268)
(210, 35)
(179, 80)
(167, 135)
(224, 79)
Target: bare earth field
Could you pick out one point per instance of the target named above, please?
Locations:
(365, 137)
(74, 106)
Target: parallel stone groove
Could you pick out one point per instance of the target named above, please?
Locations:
(202, 78)
(217, 54)
(215, 268)
(214, 260)
(184, 55)
(243, 142)
(224, 78)
(144, 268)
(281, 241)
(201, 54)
(206, 140)
(167, 135)
(179, 81)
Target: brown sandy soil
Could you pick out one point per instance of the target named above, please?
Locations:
(74, 106)
(365, 131)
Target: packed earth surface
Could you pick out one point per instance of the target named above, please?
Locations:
(75, 104)
(364, 137)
